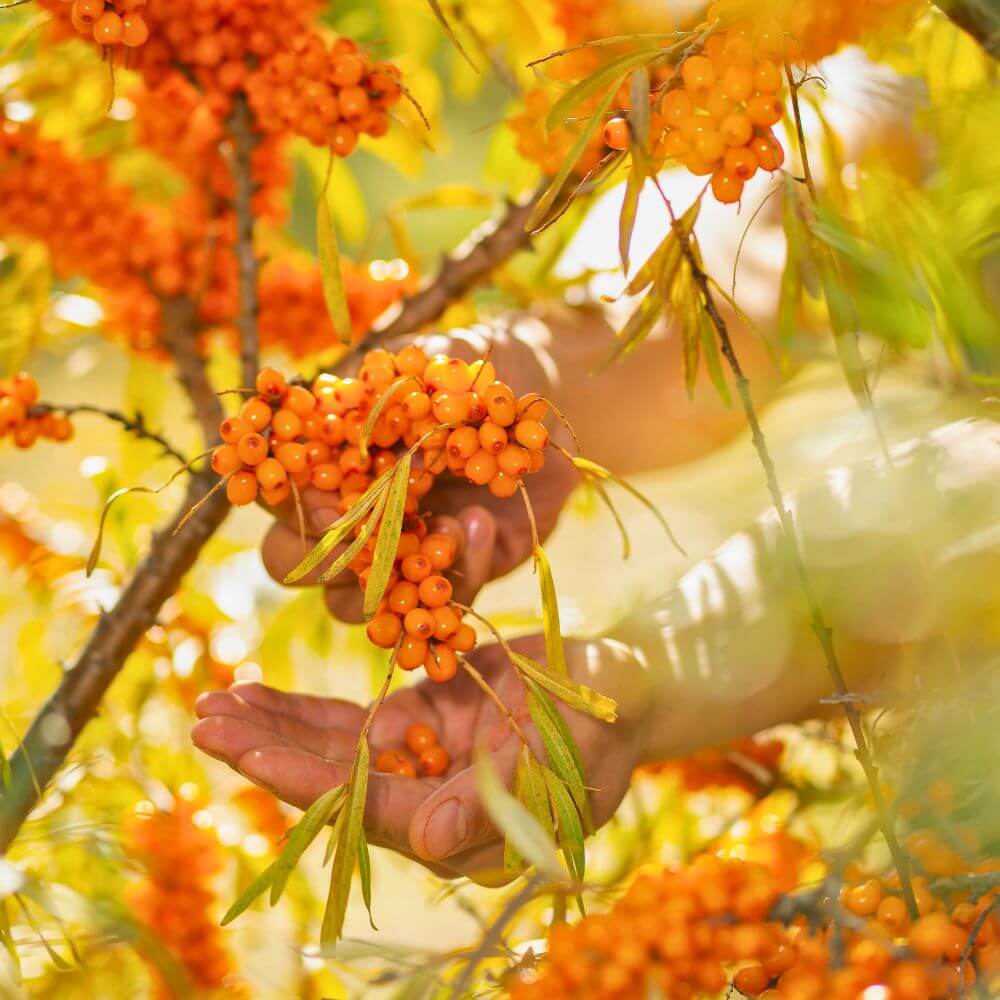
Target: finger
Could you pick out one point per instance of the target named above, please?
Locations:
(474, 567)
(346, 604)
(453, 818)
(315, 711)
(320, 509)
(327, 742)
(300, 778)
(282, 550)
(228, 739)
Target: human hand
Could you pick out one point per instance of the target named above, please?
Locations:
(493, 535)
(299, 746)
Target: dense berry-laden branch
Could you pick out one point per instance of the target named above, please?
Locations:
(244, 142)
(823, 632)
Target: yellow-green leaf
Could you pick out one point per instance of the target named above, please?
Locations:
(380, 404)
(554, 651)
(529, 790)
(578, 696)
(570, 833)
(351, 552)
(526, 834)
(637, 327)
(347, 846)
(365, 873)
(384, 556)
(609, 503)
(450, 32)
(329, 266)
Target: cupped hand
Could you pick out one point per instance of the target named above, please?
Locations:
(299, 746)
(493, 535)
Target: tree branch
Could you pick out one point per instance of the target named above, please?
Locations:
(978, 18)
(75, 701)
(244, 143)
(134, 425)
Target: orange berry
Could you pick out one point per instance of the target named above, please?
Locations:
(480, 468)
(492, 438)
(501, 404)
(419, 623)
(503, 486)
(403, 598)
(446, 623)
(454, 376)
(450, 408)
(769, 152)
(25, 388)
(416, 568)
(537, 459)
(108, 29)
(416, 405)
(388, 760)
(674, 145)
(718, 104)
(411, 360)
(464, 639)
(531, 434)
(420, 737)
(736, 129)
(271, 474)
(737, 83)
(933, 935)
(225, 459)
(434, 761)
(726, 187)
(384, 630)
(411, 653)
(252, 449)
(697, 73)
(270, 382)
(348, 70)
(616, 133)
(332, 430)
(256, 413)
(863, 899)
(86, 12)
(234, 428)
(286, 425)
(440, 550)
(766, 78)
(740, 162)
(299, 400)
(292, 456)
(326, 477)
(463, 443)
(420, 483)
(343, 139)
(708, 146)
(514, 461)
(135, 31)
(435, 591)
(765, 110)
(242, 488)
(441, 663)
(278, 495)
(531, 406)
(677, 105)
(751, 980)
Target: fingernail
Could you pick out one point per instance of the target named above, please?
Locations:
(446, 829)
(324, 517)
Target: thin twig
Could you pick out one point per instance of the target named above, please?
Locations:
(824, 633)
(793, 87)
(244, 143)
(134, 425)
(484, 686)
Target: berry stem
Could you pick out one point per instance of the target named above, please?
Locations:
(824, 633)
(484, 686)
(134, 425)
(793, 88)
(244, 142)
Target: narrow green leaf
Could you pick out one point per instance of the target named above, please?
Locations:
(570, 833)
(54, 957)
(630, 209)
(384, 556)
(527, 835)
(585, 465)
(529, 790)
(450, 32)
(305, 832)
(539, 215)
(380, 404)
(609, 503)
(713, 361)
(578, 696)
(330, 271)
(347, 847)
(561, 749)
(637, 327)
(365, 871)
(554, 651)
(276, 875)
(350, 553)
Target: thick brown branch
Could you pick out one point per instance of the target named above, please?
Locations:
(181, 340)
(978, 18)
(134, 425)
(77, 698)
(244, 143)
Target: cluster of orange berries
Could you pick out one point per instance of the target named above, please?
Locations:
(112, 25)
(20, 419)
(459, 419)
(692, 932)
(747, 763)
(422, 743)
(175, 898)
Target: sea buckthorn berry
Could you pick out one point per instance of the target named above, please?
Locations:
(740, 162)
(441, 663)
(343, 139)
(737, 83)
(765, 110)
(513, 461)
(271, 382)
(403, 598)
(863, 900)
(697, 73)
(388, 760)
(271, 474)
(420, 483)
(417, 405)
(286, 425)
(434, 761)
(531, 406)
(726, 187)
(736, 129)
(450, 408)
(616, 133)
(463, 443)
(349, 392)
(420, 737)
(135, 31)
(412, 653)
(766, 78)
(537, 459)
(351, 460)
(408, 545)
(252, 449)
(484, 374)
(384, 630)
(751, 980)
(464, 639)
(454, 376)
(503, 486)
(242, 488)
(446, 623)
(718, 104)
(708, 146)
(477, 407)
(492, 438)
(326, 477)
(419, 623)
(435, 591)
(108, 28)
(331, 430)
(317, 453)
(348, 70)
(501, 404)
(234, 428)
(440, 550)
(411, 360)
(416, 568)
(278, 495)
(292, 456)
(299, 400)
(674, 145)
(769, 152)
(480, 468)
(225, 459)
(677, 105)
(531, 434)
(256, 413)
(25, 388)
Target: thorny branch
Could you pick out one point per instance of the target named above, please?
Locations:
(134, 425)
(823, 632)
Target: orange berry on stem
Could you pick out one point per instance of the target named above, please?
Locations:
(256, 413)
(242, 488)
(326, 477)
(25, 388)
(252, 448)
(503, 486)
(271, 474)
(299, 400)
(412, 653)
(419, 623)
(441, 663)
(450, 408)
(727, 187)
(403, 598)
(420, 737)
(384, 630)
(446, 623)
(135, 31)
(234, 428)
(616, 133)
(416, 567)
(677, 105)
(736, 129)
(270, 382)
(225, 459)
(435, 591)
(108, 28)
(514, 461)
(434, 761)
(501, 404)
(463, 443)
(480, 468)
(292, 456)
(765, 110)
(278, 495)
(766, 78)
(286, 425)
(464, 639)
(740, 162)
(708, 146)
(411, 360)
(769, 152)
(440, 550)
(697, 73)
(531, 434)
